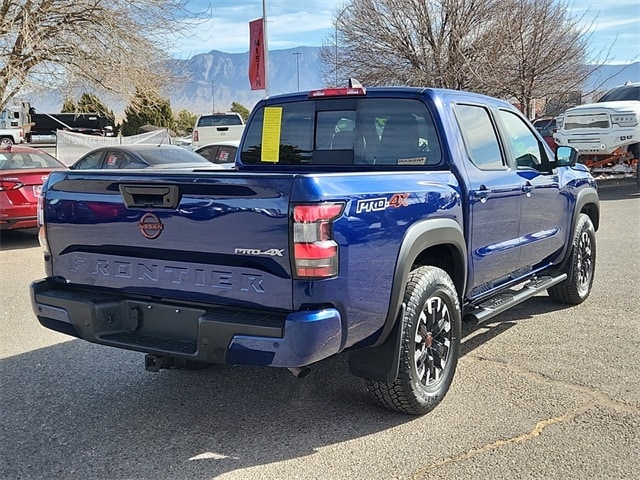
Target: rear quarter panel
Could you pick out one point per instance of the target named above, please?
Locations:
(380, 207)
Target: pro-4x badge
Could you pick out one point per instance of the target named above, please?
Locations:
(272, 252)
(397, 200)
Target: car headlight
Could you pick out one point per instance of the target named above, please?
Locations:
(625, 119)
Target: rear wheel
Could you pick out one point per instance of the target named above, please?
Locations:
(430, 345)
(5, 142)
(582, 265)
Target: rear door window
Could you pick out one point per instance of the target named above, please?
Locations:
(480, 137)
(345, 131)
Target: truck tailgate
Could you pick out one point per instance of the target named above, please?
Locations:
(198, 236)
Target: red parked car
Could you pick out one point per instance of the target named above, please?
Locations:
(547, 127)
(23, 170)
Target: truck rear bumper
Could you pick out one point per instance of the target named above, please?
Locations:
(202, 333)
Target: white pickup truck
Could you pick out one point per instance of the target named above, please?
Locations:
(10, 128)
(9, 136)
(606, 133)
(217, 127)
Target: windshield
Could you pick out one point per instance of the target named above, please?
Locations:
(624, 93)
(27, 160)
(167, 155)
(545, 127)
(343, 131)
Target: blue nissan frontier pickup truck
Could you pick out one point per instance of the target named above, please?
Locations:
(363, 220)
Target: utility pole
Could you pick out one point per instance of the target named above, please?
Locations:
(297, 54)
(213, 96)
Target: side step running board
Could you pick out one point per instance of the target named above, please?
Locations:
(504, 301)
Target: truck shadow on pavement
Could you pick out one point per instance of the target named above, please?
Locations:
(17, 239)
(475, 335)
(76, 410)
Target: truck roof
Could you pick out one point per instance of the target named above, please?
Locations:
(397, 92)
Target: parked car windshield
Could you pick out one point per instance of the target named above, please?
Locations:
(546, 127)
(158, 156)
(624, 93)
(343, 131)
(27, 160)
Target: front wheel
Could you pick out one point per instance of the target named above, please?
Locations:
(430, 344)
(581, 267)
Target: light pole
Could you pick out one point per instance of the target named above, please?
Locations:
(297, 54)
(213, 96)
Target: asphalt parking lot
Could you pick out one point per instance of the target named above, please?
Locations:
(541, 392)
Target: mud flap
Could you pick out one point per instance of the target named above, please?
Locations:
(381, 363)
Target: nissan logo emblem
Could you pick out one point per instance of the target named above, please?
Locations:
(150, 226)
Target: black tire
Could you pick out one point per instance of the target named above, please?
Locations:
(430, 345)
(5, 142)
(581, 266)
(635, 152)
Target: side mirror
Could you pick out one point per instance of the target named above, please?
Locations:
(565, 156)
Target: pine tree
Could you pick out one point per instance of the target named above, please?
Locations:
(69, 106)
(147, 109)
(240, 109)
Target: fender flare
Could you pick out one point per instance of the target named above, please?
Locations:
(380, 361)
(585, 198)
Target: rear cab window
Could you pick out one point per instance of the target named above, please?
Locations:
(343, 131)
(219, 120)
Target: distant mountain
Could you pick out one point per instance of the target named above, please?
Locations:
(226, 75)
(606, 77)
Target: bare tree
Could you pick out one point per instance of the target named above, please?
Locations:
(520, 50)
(435, 43)
(116, 46)
(542, 53)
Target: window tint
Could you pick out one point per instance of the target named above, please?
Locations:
(226, 154)
(349, 131)
(524, 144)
(208, 152)
(91, 160)
(480, 137)
(114, 159)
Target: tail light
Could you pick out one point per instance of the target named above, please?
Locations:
(42, 230)
(195, 135)
(9, 184)
(315, 252)
(337, 92)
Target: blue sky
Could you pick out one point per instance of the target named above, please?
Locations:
(295, 23)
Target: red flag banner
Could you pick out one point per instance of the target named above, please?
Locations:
(256, 55)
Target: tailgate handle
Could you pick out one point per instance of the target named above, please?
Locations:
(222, 129)
(143, 196)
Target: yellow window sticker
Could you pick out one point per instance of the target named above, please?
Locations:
(271, 126)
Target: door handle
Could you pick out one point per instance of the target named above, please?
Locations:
(481, 194)
(527, 188)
